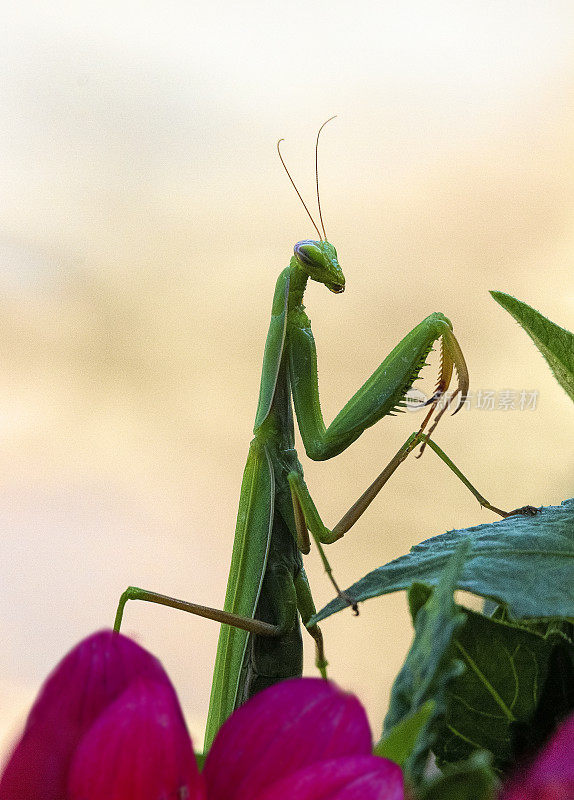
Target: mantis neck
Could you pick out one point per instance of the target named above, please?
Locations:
(297, 284)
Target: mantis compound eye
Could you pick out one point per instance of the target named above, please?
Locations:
(307, 253)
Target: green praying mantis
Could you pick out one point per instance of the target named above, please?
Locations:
(260, 640)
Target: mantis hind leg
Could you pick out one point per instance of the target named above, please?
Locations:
(248, 624)
(273, 659)
(306, 607)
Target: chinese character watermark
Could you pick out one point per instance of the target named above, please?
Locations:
(481, 400)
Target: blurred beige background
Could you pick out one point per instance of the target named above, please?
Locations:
(143, 222)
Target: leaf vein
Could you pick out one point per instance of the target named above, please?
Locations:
(488, 686)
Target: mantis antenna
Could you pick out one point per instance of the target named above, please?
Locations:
(317, 172)
(297, 190)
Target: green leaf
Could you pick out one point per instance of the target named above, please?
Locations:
(556, 700)
(468, 780)
(523, 562)
(555, 343)
(507, 666)
(429, 665)
(398, 744)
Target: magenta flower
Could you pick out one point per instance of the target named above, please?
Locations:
(551, 774)
(107, 723)
(107, 726)
(304, 739)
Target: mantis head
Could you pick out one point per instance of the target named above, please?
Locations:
(318, 259)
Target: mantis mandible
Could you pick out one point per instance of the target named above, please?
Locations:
(260, 641)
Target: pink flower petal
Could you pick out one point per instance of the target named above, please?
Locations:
(282, 730)
(551, 774)
(354, 778)
(139, 749)
(87, 680)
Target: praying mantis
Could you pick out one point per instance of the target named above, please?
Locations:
(260, 640)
